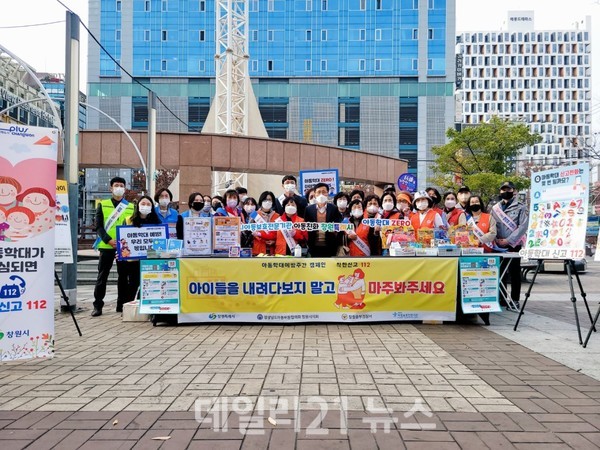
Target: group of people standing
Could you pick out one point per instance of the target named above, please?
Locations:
(502, 228)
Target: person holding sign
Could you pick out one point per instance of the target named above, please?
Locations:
(511, 222)
(144, 214)
(110, 213)
(264, 241)
(482, 224)
(322, 243)
(287, 239)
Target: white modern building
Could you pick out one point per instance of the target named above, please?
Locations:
(539, 77)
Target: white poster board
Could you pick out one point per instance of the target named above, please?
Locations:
(197, 236)
(63, 250)
(310, 178)
(558, 213)
(27, 210)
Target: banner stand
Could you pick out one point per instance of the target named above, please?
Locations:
(65, 297)
(571, 270)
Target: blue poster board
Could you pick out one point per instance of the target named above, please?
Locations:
(159, 286)
(479, 284)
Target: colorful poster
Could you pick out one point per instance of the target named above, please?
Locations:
(159, 279)
(558, 213)
(269, 290)
(134, 242)
(197, 236)
(407, 182)
(309, 178)
(27, 218)
(226, 233)
(63, 250)
(479, 281)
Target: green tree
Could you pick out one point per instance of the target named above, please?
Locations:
(482, 156)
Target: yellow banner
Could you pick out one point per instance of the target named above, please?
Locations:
(297, 290)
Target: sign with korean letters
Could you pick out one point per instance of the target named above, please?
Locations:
(134, 242)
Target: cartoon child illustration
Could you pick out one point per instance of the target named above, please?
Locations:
(125, 251)
(19, 219)
(351, 290)
(42, 204)
(9, 188)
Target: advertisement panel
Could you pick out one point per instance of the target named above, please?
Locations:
(134, 242)
(479, 281)
(63, 251)
(159, 282)
(27, 220)
(309, 178)
(328, 290)
(558, 213)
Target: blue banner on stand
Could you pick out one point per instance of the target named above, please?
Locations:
(479, 284)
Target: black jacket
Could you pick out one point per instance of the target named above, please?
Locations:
(331, 215)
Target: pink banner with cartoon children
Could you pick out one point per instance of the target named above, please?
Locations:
(27, 217)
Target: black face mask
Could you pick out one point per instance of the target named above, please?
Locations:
(475, 208)
(197, 206)
(217, 206)
(506, 195)
(435, 200)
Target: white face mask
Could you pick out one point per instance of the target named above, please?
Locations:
(342, 204)
(207, 206)
(421, 206)
(357, 213)
(450, 204)
(289, 187)
(118, 191)
(290, 210)
(321, 199)
(232, 203)
(164, 202)
(243, 199)
(313, 201)
(463, 197)
(145, 210)
(372, 209)
(249, 209)
(388, 206)
(266, 205)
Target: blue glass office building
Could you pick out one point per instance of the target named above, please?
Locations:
(374, 75)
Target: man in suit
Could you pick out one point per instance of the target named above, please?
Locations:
(322, 243)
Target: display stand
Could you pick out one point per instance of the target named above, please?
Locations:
(571, 270)
(592, 328)
(65, 297)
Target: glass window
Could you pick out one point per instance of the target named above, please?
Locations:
(255, 35)
(415, 34)
(164, 6)
(323, 65)
(202, 6)
(430, 33)
(117, 35)
(308, 65)
(201, 66)
(118, 6)
(363, 5)
(147, 6)
(431, 4)
(163, 65)
(271, 5)
(362, 34)
(308, 35)
(273, 113)
(415, 4)
(146, 65)
(377, 64)
(324, 5)
(308, 5)
(270, 35)
(254, 65)
(201, 35)
(146, 35)
(377, 34)
(415, 64)
(378, 5)
(361, 65)
(349, 137)
(253, 5)
(323, 35)
(164, 35)
(270, 65)
(349, 113)
(276, 133)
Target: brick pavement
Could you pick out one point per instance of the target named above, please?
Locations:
(123, 384)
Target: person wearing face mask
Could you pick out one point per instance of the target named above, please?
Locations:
(144, 214)
(217, 202)
(388, 204)
(425, 216)
(287, 239)
(310, 197)
(231, 209)
(341, 200)
(264, 241)
(242, 193)
(482, 223)
(248, 207)
(109, 214)
(436, 198)
(362, 241)
(207, 211)
(290, 190)
(404, 204)
(163, 198)
(322, 243)
(463, 195)
(511, 223)
(197, 208)
(452, 215)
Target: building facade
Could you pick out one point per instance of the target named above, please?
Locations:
(374, 75)
(539, 77)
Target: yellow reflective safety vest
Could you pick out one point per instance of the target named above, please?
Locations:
(107, 210)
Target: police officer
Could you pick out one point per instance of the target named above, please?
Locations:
(109, 214)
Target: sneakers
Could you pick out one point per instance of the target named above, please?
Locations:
(97, 312)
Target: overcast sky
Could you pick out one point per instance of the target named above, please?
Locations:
(43, 47)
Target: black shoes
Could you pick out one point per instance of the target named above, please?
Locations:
(97, 312)
(119, 308)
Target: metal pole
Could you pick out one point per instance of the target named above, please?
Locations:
(69, 272)
(151, 174)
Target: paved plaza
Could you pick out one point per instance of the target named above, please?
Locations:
(401, 385)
